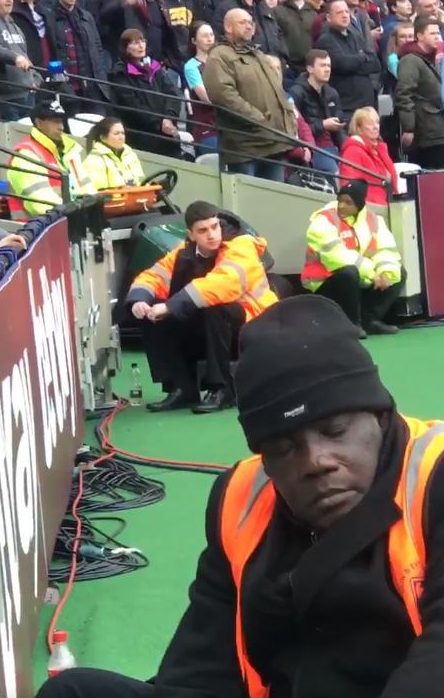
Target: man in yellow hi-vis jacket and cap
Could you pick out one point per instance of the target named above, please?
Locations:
(352, 258)
(323, 575)
(193, 303)
(48, 144)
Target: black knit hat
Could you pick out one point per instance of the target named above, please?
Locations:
(300, 361)
(357, 190)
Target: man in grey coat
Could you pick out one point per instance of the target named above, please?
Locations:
(16, 75)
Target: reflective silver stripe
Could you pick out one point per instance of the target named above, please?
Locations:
(331, 245)
(143, 287)
(84, 182)
(162, 272)
(259, 483)
(259, 290)
(239, 270)
(417, 454)
(197, 298)
(37, 186)
(359, 261)
(373, 253)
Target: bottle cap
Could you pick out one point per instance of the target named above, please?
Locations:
(60, 636)
(55, 67)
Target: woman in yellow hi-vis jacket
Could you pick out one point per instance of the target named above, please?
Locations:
(323, 571)
(352, 258)
(110, 162)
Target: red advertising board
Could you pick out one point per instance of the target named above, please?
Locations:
(430, 188)
(40, 432)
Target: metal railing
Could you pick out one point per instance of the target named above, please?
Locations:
(269, 132)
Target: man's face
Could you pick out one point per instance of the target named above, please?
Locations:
(430, 37)
(52, 128)
(339, 15)
(320, 70)
(315, 4)
(404, 35)
(240, 27)
(68, 4)
(207, 234)
(404, 8)
(346, 206)
(428, 8)
(323, 470)
(5, 7)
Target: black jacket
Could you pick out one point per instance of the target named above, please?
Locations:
(91, 46)
(317, 106)
(267, 36)
(321, 619)
(125, 94)
(23, 18)
(351, 66)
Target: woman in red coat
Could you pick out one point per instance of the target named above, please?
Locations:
(365, 148)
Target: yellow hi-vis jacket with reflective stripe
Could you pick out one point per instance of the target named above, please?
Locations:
(238, 276)
(248, 507)
(41, 183)
(107, 170)
(364, 242)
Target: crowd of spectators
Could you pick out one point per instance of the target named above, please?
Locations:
(244, 70)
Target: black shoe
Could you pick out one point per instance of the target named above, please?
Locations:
(213, 401)
(379, 327)
(173, 401)
(362, 332)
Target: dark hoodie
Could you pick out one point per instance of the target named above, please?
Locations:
(418, 96)
(317, 106)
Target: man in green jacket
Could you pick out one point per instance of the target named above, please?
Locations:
(295, 24)
(238, 77)
(418, 96)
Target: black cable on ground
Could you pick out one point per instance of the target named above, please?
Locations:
(95, 559)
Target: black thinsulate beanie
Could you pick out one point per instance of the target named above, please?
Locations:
(301, 361)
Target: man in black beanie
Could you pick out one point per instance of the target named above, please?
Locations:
(352, 258)
(320, 546)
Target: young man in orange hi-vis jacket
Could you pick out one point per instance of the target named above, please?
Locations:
(193, 303)
(323, 575)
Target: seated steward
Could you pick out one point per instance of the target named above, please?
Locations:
(323, 571)
(110, 162)
(352, 258)
(49, 144)
(193, 303)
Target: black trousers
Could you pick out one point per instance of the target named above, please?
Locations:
(360, 304)
(173, 347)
(430, 158)
(94, 683)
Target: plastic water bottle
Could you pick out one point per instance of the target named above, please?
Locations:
(135, 395)
(56, 72)
(61, 656)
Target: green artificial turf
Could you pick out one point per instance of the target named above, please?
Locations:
(124, 623)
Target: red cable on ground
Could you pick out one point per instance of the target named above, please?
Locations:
(75, 548)
(105, 429)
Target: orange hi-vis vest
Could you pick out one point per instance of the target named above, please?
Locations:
(314, 268)
(249, 503)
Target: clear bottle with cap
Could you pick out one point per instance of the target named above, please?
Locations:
(135, 394)
(61, 656)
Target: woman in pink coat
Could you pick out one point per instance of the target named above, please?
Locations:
(365, 147)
